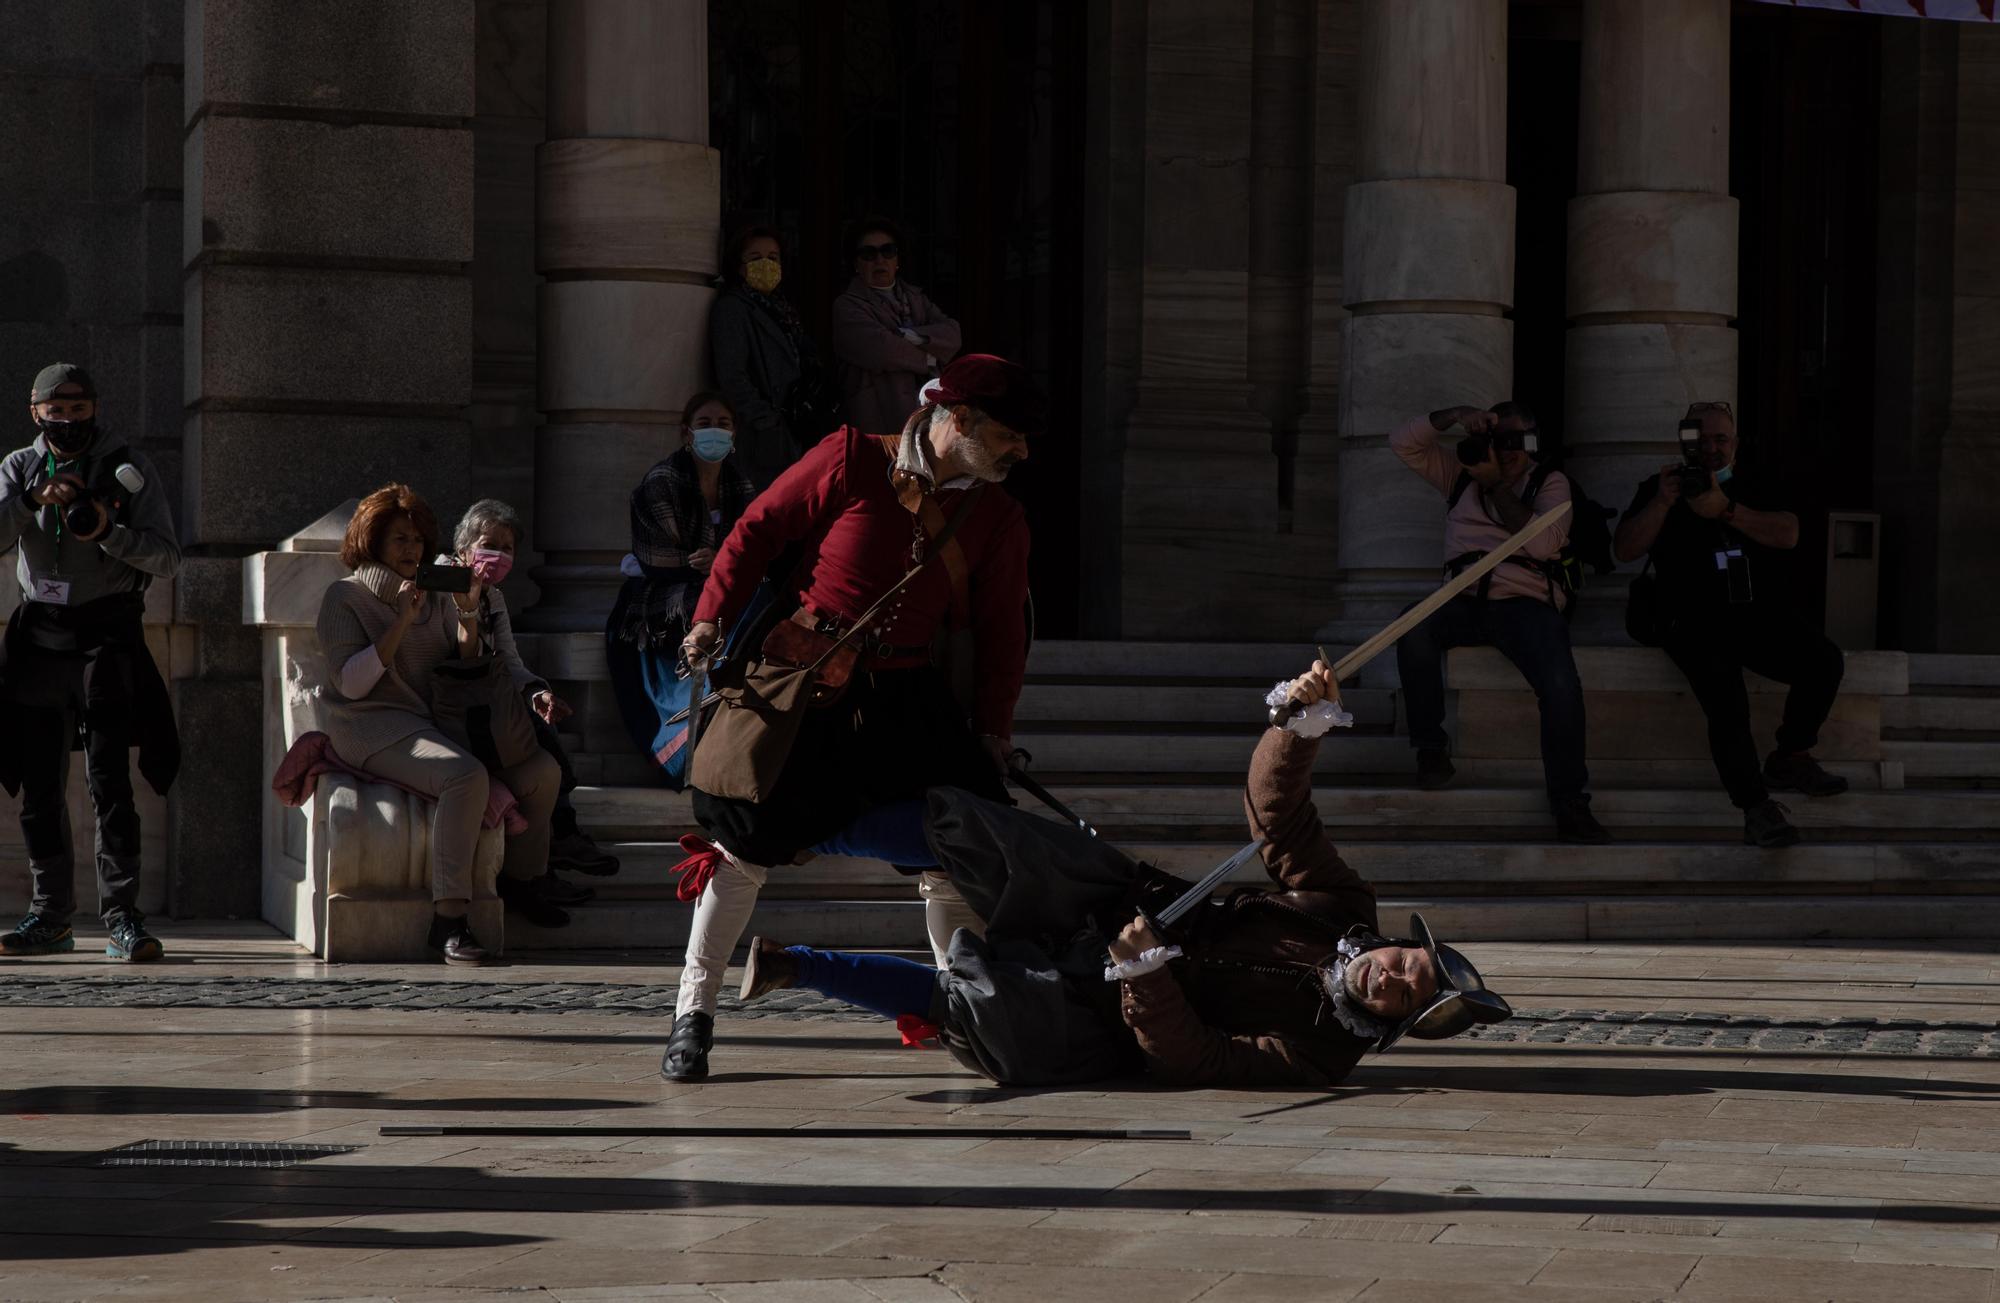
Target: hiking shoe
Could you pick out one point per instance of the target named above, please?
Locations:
(452, 938)
(561, 891)
(524, 897)
(35, 936)
(1802, 774)
(576, 852)
(1576, 824)
(1766, 825)
(686, 1058)
(131, 942)
(770, 968)
(1434, 769)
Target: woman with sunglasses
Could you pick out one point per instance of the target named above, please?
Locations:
(888, 336)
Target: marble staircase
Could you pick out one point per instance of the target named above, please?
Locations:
(1149, 741)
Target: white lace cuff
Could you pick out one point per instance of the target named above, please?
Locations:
(1149, 961)
(1313, 721)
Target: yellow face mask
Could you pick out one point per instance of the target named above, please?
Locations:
(763, 275)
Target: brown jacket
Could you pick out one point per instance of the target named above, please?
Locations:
(1245, 1008)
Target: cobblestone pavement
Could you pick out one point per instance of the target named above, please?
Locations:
(1690, 1030)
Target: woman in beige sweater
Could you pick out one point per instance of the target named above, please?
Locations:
(382, 637)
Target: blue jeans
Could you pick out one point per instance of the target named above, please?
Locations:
(1535, 637)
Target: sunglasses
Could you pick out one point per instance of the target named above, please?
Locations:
(870, 252)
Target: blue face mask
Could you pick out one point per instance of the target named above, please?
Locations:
(1722, 476)
(712, 444)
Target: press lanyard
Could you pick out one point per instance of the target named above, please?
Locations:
(55, 566)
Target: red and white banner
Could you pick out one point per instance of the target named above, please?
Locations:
(1964, 11)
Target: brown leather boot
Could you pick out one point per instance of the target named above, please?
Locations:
(769, 968)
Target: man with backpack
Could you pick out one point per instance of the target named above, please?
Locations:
(1493, 485)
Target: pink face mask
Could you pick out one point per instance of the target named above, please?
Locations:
(490, 566)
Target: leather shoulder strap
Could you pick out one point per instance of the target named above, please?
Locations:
(952, 555)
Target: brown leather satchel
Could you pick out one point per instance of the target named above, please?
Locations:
(742, 752)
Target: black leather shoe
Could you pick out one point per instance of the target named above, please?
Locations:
(453, 939)
(1577, 825)
(576, 852)
(686, 1058)
(770, 968)
(560, 891)
(524, 897)
(1766, 825)
(1802, 774)
(1434, 768)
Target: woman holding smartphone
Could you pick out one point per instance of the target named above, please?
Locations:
(382, 637)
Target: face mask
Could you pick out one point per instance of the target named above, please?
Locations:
(490, 566)
(67, 437)
(711, 444)
(763, 275)
(1722, 476)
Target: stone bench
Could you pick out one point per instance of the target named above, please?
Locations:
(347, 875)
(1644, 722)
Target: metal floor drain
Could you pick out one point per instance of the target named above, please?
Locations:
(216, 1153)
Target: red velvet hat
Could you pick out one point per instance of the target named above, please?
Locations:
(1003, 390)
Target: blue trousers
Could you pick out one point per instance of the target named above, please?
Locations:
(880, 984)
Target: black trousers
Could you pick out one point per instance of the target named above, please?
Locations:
(1714, 647)
(45, 735)
(1535, 637)
(894, 735)
(563, 821)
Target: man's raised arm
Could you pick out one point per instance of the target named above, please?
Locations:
(1277, 802)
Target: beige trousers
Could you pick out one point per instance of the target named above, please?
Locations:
(719, 919)
(945, 911)
(431, 763)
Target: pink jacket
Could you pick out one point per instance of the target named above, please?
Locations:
(880, 370)
(312, 755)
(1472, 526)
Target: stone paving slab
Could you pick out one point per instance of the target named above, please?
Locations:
(1691, 1122)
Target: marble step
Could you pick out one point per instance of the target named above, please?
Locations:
(1472, 866)
(1944, 669)
(1961, 760)
(640, 810)
(1072, 707)
(899, 925)
(1943, 714)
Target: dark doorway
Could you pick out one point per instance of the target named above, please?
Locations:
(1802, 163)
(964, 123)
(1544, 67)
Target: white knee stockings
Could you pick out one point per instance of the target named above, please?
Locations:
(720, 917)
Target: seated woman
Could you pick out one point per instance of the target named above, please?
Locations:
(383, 638)
(681, 511)
(1265, 988)
(486, 540)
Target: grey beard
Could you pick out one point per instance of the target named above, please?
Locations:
(1347, 1007)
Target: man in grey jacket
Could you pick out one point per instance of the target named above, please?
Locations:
(94, 530)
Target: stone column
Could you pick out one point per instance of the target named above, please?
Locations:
(327, 227)
(1652, 249)
(627, 218)
(1429, 270)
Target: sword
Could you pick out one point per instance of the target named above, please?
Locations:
(1200, 891)
(1416, 615)
(1163, 922)
(697, 676)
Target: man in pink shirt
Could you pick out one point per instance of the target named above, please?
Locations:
(1492, 488)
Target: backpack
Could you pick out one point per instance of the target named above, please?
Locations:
(1589, 541)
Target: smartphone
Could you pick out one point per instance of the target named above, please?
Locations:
(436, 578)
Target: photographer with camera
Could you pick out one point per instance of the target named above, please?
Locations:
(94, 531)
(1720, 605)
(1492, 488)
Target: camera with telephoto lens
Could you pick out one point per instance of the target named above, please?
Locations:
(91, 513)
(1693, 475)
(1476, 448)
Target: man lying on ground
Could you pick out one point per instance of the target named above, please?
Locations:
(1264, 988)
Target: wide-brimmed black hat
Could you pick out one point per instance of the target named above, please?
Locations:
(1461, 1000)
